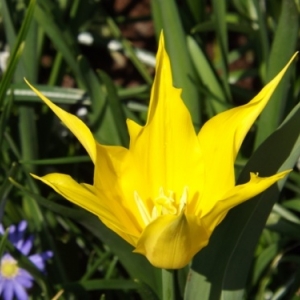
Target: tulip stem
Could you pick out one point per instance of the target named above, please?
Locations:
(167, 284)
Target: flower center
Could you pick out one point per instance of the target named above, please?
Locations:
(9, 268)
(163, 205)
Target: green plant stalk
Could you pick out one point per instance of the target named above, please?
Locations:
(167, 284)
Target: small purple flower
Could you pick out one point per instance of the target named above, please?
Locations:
(14, 281)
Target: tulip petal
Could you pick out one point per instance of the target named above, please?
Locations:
(109, 165)
(134, 129)
(75, 125)
(221, 137)
(87, 197)
(112, 172)
(168, 140)
(171, 241)
(237, 195)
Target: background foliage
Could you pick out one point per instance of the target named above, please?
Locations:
(96, 59)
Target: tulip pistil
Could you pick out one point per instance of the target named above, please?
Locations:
(163, 205)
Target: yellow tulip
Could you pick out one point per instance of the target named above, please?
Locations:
(166, 194)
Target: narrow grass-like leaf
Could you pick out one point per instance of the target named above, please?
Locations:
(60, 36)
(3, 240)
(26, 122)
(28, 135)
(136, 265)
(17, 49)
(109, 284)
(285, 228)
(101, 118)
(215, 93)
(116, 108)
(29, 58)
(262, 261)
(10, 30)
(129, 51)
(219, 9)
(197, 9)
(293, 204)
(60, 95)
(91, 270)
(56, 69)
(224, 264)
(6, 111)
(283, 47)
(285, 213)
(5, 190)
(147, 293)
(111, 267)
(260, 32)
(157, 17)
(57, 161)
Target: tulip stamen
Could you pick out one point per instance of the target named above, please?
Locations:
(183, 199)
(142, 208)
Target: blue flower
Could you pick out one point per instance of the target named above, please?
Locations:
(15, 281)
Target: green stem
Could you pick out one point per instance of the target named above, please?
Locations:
(167, 284)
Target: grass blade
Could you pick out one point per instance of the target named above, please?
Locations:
(17, 48)
(283, 47)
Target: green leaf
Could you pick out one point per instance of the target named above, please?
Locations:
(18, 45)
(49, 18)
(109, 284)
(215, 94)
(3, 240)
(222, 267)
(128, 49)
(197, 9)
(101, 117)
(136, 265)
(283, 47)
(117, 111)
(219, 9)
(5, 190)
(57, 161)
(60, 95)
(262, 261)
(6, 111)
(260, 32)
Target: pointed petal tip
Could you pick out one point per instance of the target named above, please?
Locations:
(276, 176)
(35, 176)
(239, 194)
(74, 124)
(283, 70)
